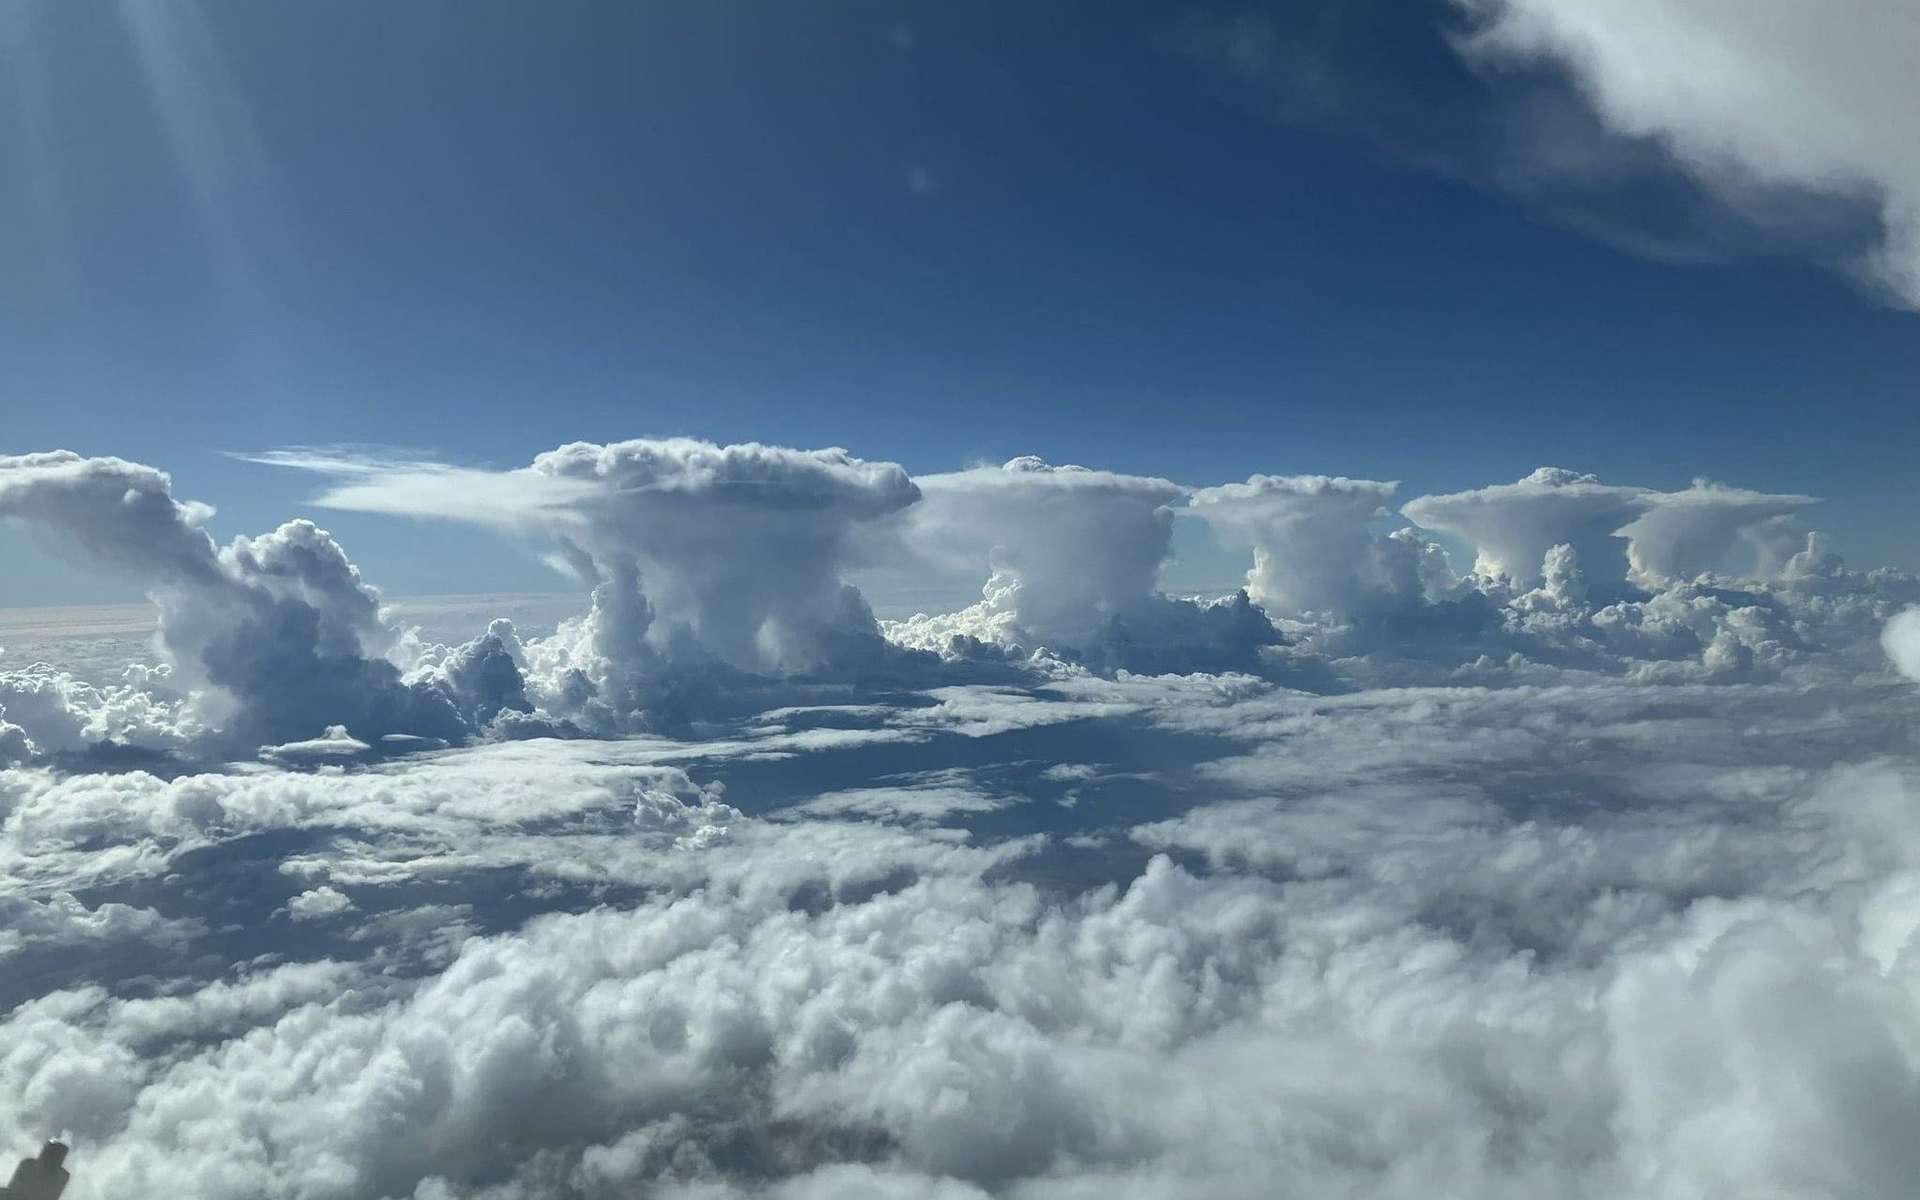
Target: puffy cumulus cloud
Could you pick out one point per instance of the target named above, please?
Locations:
(297, 609)
(62, 921)
(718, 590)
(68, 715)
(1643, 595)
(498, 805)
(318, 904)
(280, 626)
(1399, 942)
(14, 745)
(1901, 640)
(1512, 526)
(1569, 570)
(484, 676)
(1314, 548)
(1073, 557)
(1683, 535)
(1747, 97)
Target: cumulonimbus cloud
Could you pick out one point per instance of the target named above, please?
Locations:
(736, 552)
(1314, 548)
(1082, 545)
(1512, 525)
(1478, 906)
(1663, 537)
(1685, 534)
(281, 625)
(1072, 558)
(706, 559)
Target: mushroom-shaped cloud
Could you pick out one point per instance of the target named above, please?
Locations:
(1073, 557)
(1313, 548)
(1083, 546)
(1512, 525)
(736, 552)
(1683, 534)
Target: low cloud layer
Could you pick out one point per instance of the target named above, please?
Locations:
(1539, 940)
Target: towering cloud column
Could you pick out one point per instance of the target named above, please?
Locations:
(1073, 557)
(736, 553)
(1683, 534)
(740, 550)
(1081, 546)
(1313, 548)
(280, 625)
(1665, 537)
(1512, 525)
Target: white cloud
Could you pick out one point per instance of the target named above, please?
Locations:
(1685, 534)
(1513, 525)
(120, 511)
(525, 498)
(1313, 548)
(281, 625)
(1539, 891)
(318, 904)
(1748, 96)
(731, 552)
(1372, 992)
(62, 921)
(14, 746)
(335, 745)
(1080, 545)
(1901, 638)
(1072, 557)
(60, 713)
(926, 804)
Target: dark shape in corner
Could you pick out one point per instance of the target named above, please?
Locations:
(42, 1178)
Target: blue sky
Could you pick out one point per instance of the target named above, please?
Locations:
(1196, 242)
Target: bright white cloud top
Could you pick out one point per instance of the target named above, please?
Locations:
(1553, 877)
(1313, 546)
(1514, 525)
(738, 551)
